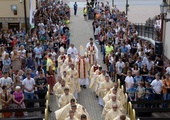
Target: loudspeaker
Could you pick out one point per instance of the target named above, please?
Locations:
(158, 48)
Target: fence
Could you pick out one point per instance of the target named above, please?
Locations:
(147, 31)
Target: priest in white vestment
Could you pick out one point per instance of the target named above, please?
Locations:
(93, 69)
(59, 78)
(65, 98)
(110, 103)
(71, 116)
(73, 74)
(61, 114)
(113, 113)
(60, 89)
(122, 117)
(96, 49)
(100, 79)
(61, 59)
(66, 65)
(72, 51)
(91, 53)
(82, 68)
(94, 78)
(104, 89)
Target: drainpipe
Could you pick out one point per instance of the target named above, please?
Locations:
(25, 16)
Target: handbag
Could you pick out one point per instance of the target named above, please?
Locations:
(7, 114)
(18, 114)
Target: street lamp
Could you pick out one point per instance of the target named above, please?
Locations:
(164, 7)
(127, 5)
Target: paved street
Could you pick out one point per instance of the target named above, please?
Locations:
(81, 31)
(139, 10)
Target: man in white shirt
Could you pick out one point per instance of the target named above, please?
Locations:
(129, 81)
(157, 86)
(149, 64)
(96, 49)
(119, 69)
(38, 51)
(7, 81)
(28, 85)
(72, 51)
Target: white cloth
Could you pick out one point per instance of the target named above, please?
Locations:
(72, 51)
(84, 81)
(101, 101)
(129, 81)
(6, 81)
(157, 86)
(96, 54)
(29, 84)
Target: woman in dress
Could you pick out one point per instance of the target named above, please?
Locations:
(6, 63)
(22, 52)
(5, 98)
(17, 81)
(18, 99)
(2, 56)
(51, 78)
(16, 61)
(135, 69)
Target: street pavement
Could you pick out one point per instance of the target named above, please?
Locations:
(81, 31)
(139, 10)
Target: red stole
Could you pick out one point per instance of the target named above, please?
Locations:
(91, 54)
(95, 68)
(84, 67)
(63, 57)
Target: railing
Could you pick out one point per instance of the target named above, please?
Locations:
(30, 109)
(147, 31)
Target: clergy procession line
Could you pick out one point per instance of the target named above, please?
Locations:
(73, 69)
(79, 69)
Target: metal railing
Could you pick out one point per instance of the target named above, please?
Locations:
(147, 31)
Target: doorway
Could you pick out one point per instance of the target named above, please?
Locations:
(13, 26)
(0, 26)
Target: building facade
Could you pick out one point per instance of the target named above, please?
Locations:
(166, 40)
(16, 13)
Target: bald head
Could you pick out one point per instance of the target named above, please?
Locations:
(123, 117)
(113, 97)
(114, 107)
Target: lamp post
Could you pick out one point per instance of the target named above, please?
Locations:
(25, 16)
(127, 5)
(163, 8)
(113, 3)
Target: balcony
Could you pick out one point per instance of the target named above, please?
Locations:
(148, 31)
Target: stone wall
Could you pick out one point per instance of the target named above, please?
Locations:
(5, 21)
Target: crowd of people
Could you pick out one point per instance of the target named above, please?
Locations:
(130, 59)
(28, 61)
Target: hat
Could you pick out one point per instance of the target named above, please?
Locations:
(17, 87)
(62, 49)
(82, 50)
